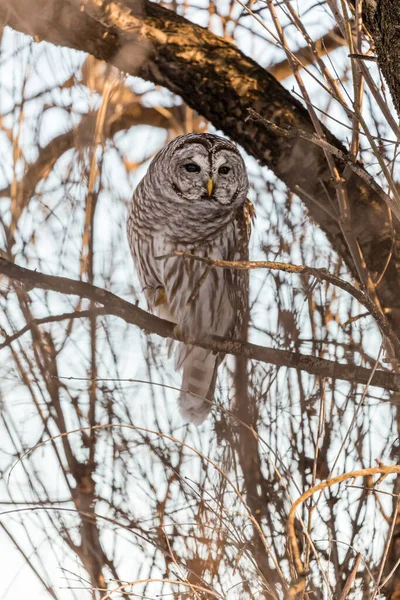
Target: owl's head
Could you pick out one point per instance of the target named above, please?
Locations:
(205, 168)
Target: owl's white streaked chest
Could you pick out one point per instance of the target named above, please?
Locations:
(219, 247)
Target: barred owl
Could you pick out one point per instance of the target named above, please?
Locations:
(193, 199)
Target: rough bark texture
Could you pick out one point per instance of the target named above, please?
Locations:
(220, 82)
(382, 18)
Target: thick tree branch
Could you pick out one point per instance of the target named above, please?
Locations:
(114, 305)
(326, 44)
(382, 19)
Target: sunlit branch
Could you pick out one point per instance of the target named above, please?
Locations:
(300, 583)
(145, 39)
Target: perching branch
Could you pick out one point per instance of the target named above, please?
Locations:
(114, 305)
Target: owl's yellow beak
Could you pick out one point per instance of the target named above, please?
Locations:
(210, 187)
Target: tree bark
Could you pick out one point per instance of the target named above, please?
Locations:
(382, 18)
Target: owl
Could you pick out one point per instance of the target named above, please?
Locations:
(194, 199)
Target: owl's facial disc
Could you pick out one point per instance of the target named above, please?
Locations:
(228, 176)
(206, 174)
(191, 170)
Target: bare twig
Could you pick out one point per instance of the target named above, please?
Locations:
(79, 314)
(351, 577)
(320, 274)
(387, 547)
(363, 57)
(327, 43)
(289, 131)
(382, 469)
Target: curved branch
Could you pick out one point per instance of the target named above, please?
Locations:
(130, 313)
(80, 136)
(300, 583)
(319, 274)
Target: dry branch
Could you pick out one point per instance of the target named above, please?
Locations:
(288, 131)
(381, 470)
(79, 137)
(319, 274)
(134, 315)
(350, 580)
(79, 314)
(326, 44)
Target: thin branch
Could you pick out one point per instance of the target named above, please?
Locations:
(28, 562)
(134, 315)
(79, 314)
(320, 274)
(326, 44)
(351, 577)
(363, 57)
(387, 548)
(293, 132)
(382, 470)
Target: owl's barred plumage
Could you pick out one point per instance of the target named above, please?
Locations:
(193, 199)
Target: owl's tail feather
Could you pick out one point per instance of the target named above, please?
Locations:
(198, 382)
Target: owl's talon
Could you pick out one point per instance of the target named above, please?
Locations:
(185, 337)
(160, 297)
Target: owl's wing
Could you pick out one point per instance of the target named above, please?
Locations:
(239, 284)
(200, 366)
(143, 254)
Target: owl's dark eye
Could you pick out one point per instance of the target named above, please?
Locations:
(223, 170)
(192, 168)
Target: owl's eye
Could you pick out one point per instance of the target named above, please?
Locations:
(223, 170)
(192, 168)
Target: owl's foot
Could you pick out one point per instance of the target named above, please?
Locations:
(184, 335)
(159, 295)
